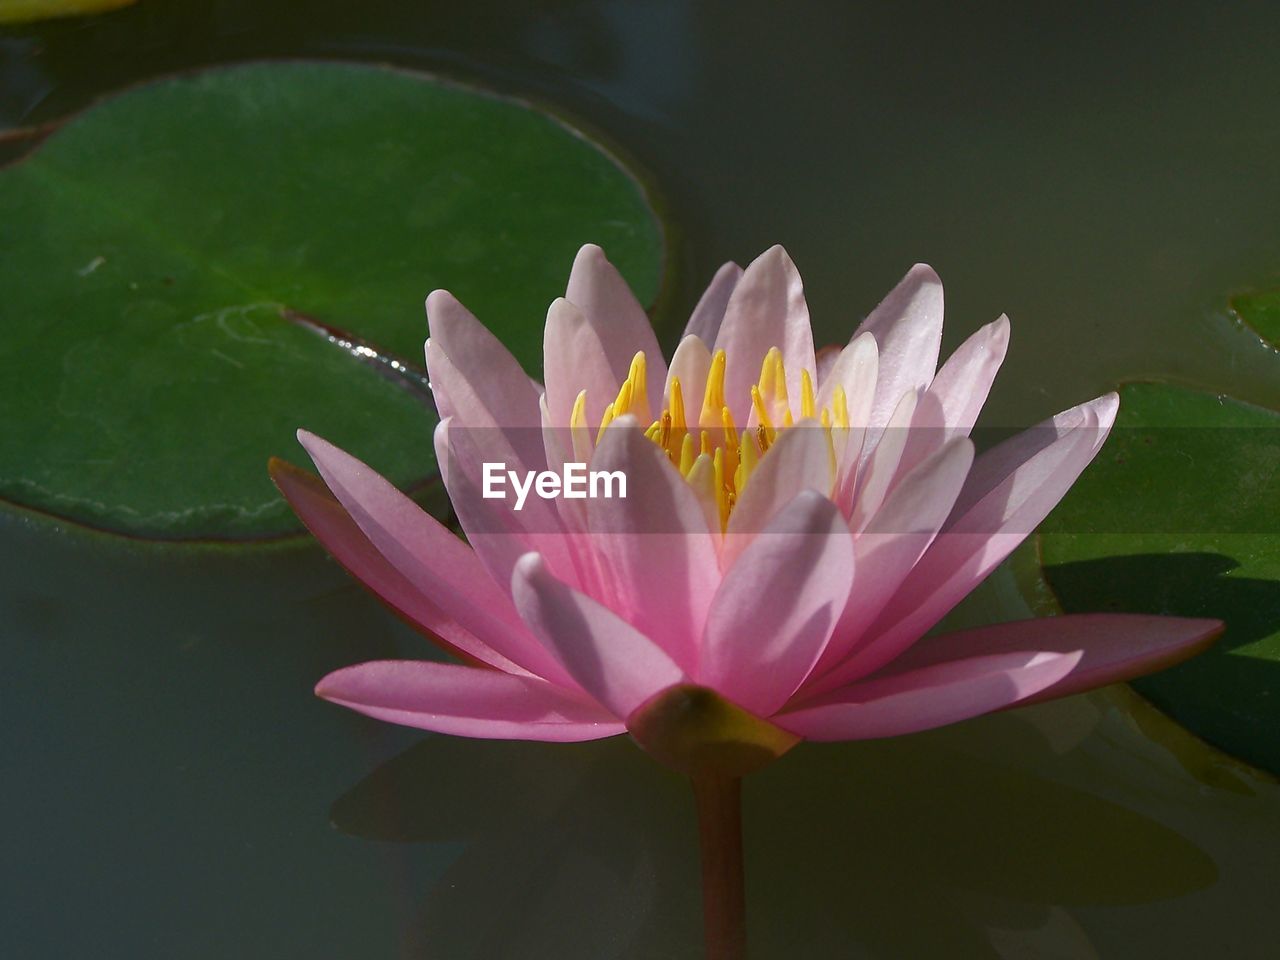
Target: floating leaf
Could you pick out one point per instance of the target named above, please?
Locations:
(1180, 514)
(180, 263)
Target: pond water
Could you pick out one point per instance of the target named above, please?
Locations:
(1106, 176)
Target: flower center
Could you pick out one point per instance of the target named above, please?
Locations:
(710, 451)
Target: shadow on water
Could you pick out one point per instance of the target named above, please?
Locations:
(1230, 693)
(905, 848)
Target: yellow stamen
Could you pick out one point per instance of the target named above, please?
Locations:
(757, 402)
(722, 492)
(807, 402)
(763, 438)
(623, 404)
(840, 407)
(713, 396)
(678, 423)
(578, 418)
(687, 456)
(730, 430)
(639, 397)
(606, 418)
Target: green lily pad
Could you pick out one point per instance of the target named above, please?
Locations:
(1180, 514)
(1261, 312)
(181, 265)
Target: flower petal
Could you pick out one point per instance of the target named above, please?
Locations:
(483, 371)
(690, 363)
(623, 328)
(798, 460)
(963, 383)
(573, 360)
(614, 662)
(657, 556)
(767, 309)
(894, 540)
(473, 406)
(1116, 646)
(466, 701)
(927, 697)
(707, 316)
(776, 608)
(430, 557)
(907, 326)
(334, 528)
(498, 532)
(977, 537)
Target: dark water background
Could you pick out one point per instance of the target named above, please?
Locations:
(1106, 174)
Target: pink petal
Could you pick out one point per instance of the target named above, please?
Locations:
(799, 460)
(573, 360)
(931, 696)
(657, 556)
(620, 323)
(690, 363)
(767, 309)
(907, 326)
(498, 532)
(707, 316)
(483, 407)
(825, 358)
(614, 662)
(334, 528)
(778, 603)
(1116, 646)
(466, 702)
(996, 465)
(431, 558)
(485, 372)
(894, 540)
(977, 537)
(963, 383)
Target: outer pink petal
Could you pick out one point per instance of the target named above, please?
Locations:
(479, 406)
(928, 697)
(707, 316)
(430, 557)
(498, 532)
(614, 662)
(996, 465)
(656, 555)
(907, 326)
(466, 701)
(620, 323)
(798, 460)
(977, 538)
(573, 360)
(778, 603)
(893, 541)
(1117, 646)
(963, 383)
(767, 309)
(483, 371)
(334, 528)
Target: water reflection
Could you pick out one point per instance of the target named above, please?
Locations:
(910, 848)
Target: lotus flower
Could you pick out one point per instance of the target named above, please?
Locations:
(794, 524)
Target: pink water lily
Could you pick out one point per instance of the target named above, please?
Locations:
(794, 524)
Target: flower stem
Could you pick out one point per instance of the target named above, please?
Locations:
(724, 912)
